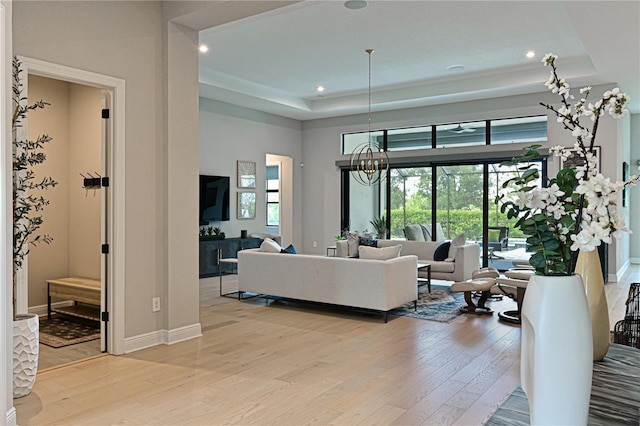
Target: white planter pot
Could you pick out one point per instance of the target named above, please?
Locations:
(25, 353)
(556, 363)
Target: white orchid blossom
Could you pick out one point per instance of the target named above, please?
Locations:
(585, 214)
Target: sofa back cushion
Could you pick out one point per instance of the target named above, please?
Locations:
(414, 233)
(383, 253)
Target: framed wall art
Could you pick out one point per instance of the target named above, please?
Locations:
(246, 208)
(574, 160)
(246, 174)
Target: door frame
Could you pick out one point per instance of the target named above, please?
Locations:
(115, 211)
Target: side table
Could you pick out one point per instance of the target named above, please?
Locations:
(425, 280)
(226, 261)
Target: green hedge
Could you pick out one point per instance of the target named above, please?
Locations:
(457, 221)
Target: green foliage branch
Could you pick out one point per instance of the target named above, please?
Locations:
(27, 207)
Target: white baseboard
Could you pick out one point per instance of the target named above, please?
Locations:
(634, 260)
(41, 310)
(162, 337)
(10, 417)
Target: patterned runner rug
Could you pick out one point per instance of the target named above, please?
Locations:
(61, 330)
(439, 305)
(615, 393)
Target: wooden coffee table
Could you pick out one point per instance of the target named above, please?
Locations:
(427, 280)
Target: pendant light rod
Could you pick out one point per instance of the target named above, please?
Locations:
(369, 163)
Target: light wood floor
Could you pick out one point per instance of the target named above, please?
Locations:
(290, 365)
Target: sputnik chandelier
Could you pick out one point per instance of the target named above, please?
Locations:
(369, 162)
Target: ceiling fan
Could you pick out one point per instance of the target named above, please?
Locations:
(460, 129)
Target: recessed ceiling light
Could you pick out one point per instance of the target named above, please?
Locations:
(531, 54)
(456, 68)
(320, 89)
(203, 48)
(355, 4)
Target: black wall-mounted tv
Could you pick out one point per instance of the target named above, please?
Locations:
(214, 199)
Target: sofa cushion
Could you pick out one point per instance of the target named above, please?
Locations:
(270, 246)
(383, 253)
(353, 241)
(458, 241)
(444, 266)
(414, 233)
(442, 252)
(289, 249)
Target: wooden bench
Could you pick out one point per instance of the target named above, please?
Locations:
(84, 290)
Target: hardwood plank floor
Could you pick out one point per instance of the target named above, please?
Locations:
(298, 364)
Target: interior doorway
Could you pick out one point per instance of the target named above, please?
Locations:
(73, 218)
(282, 199)
(110, 165)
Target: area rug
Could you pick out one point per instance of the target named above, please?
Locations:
(615, 393)
(439, 305)
(60, 331)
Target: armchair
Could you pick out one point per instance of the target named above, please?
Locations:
(498, 238)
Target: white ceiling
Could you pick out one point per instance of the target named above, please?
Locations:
(273, 61)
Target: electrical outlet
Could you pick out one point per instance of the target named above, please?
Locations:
(315, 244)
(156, 304)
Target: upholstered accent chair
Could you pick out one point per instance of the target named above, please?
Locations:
(498, 238)
(423, 232)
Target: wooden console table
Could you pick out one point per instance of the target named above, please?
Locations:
(83, 290)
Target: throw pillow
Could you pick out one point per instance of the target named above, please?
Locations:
(270, 246)
(458, 241)
(414, 233)
(382, 253)
(426, 232)
(353, 241)
(369, 242)
(442, 251)
(289, 250)
(494, 235)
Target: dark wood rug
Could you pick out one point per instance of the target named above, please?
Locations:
(615, 393)
(62, 330)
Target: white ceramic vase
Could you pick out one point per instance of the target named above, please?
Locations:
(588, 266)
(25, 353)
(556, 363)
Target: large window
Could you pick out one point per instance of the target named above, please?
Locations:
(473, 133)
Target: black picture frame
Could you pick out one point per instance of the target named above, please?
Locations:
(574, 160)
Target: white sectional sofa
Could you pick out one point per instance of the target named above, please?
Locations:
(379, 285)
(460, 268)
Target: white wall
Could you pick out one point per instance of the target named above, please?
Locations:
(321, 150)
(132, 41)
(7, 411)
(634, 192)
(46, 261)
(73, 216)
(229, 133)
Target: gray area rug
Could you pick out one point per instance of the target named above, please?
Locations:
(615, 393)
(439, 305)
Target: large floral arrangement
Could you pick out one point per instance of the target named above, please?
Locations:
(577, 209)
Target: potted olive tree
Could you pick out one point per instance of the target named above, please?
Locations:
(27, 219)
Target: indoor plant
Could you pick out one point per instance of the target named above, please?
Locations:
(27, 220)
(575, 212)
(577, 209)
